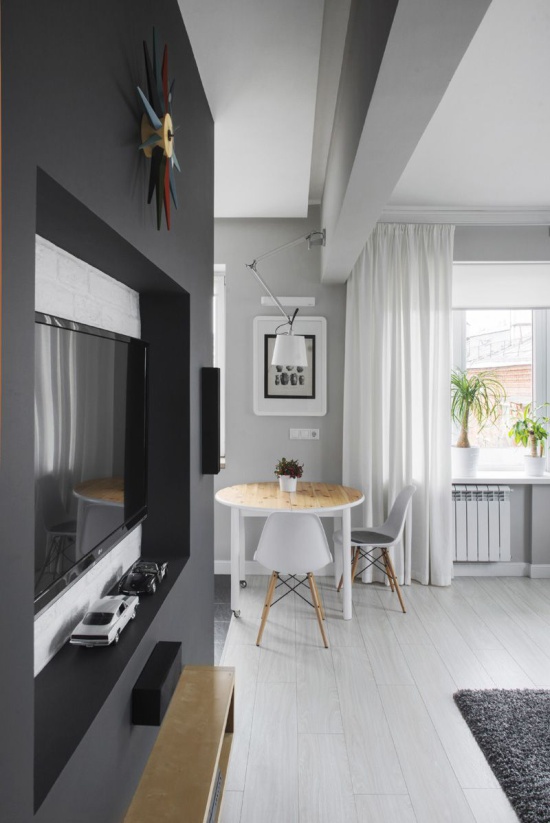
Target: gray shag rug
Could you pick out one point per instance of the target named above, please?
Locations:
(512, 729)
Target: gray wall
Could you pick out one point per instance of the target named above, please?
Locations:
(486, 243)
(254, 443)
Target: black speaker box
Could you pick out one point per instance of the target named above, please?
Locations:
(156, 684)
(210, 434)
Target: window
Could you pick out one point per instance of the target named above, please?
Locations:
(495, 329)
(499, 341)
(218, 325)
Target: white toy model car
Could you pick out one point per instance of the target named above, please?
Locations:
(105, 620)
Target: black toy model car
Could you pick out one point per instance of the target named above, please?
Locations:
(142, 578)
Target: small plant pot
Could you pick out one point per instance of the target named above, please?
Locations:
(534, 466)
(464, 461)
(287, 484)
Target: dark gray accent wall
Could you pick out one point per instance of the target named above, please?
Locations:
(71, 115)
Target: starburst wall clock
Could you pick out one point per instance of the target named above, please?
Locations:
(157, 131)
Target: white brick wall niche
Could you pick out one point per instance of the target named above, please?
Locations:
(69, 288)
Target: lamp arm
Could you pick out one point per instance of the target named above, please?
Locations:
(254, 270)
(320, 235)
(315, 238)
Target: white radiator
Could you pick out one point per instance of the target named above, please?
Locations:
(481, 523)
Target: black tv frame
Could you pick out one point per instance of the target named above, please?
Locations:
(76, 572)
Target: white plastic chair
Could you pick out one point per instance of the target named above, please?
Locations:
(294, 545)
(369, 540)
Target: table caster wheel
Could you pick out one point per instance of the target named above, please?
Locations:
(244, 584)
(237, 613)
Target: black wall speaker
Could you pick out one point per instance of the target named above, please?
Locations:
(210, 435)
(156, 684)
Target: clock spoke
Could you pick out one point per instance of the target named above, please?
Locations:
(173, 186)
(165, 79)
(151, 86)
(171, 96)
(153, 119)
(160, 190)
(156, 160)
(167, 193)
(175, 161)
(155, 138)
(157, 70)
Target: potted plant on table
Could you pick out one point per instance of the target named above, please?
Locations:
(288, 472)
(478, 396)
(529, 431)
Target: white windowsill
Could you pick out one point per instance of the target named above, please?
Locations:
(515, 478)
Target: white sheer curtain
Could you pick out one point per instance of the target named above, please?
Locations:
(397, 390)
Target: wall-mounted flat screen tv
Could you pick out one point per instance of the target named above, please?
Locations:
(90, 448)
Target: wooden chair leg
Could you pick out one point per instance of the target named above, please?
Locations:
(313, 580)
(267, 605)
(316, 603)
(385, 558)
(397, 587)
(355, 563)
(353, 569)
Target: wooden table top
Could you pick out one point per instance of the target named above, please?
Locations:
(308, 496)
(102, 490)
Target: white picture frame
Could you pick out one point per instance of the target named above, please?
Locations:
(309, 401)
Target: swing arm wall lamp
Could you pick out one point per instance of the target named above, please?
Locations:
(290, 348)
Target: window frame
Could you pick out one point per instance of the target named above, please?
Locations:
(540, 360)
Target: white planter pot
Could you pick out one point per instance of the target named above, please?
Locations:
(534, 466)
(464, 461)
(287, 484)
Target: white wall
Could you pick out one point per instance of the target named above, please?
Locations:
(254, 443)
(501, 243)
(69, 288)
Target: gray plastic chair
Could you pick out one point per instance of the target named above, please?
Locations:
(59, 528)
(373, 543)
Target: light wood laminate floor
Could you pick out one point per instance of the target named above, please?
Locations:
(367, 731)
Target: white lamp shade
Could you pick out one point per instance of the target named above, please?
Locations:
(290, 350)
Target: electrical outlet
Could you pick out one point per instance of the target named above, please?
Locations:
(314, 434)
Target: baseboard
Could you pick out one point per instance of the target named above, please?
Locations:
(252, 567)
(495, 569)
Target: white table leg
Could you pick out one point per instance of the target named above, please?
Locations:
(242, 551)
(235, 559)
(337, 555)
(346, 561)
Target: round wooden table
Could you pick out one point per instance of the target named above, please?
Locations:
(262, 499)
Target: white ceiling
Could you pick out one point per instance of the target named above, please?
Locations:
(271, 68)
(259, 63)
(487, 147)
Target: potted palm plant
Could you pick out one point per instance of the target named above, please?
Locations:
(529, 431)
(475, 396)
(288, 472)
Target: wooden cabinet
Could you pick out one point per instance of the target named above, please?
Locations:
(184, 776)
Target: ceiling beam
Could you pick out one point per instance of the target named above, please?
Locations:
(426, 43)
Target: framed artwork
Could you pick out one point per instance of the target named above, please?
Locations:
(290, 390)
(289, 381)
